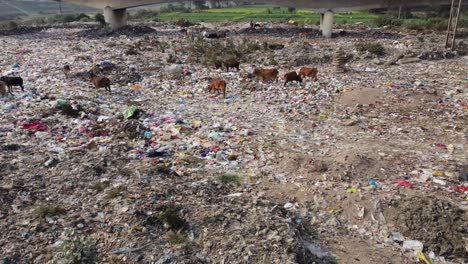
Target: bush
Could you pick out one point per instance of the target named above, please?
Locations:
(68, 18)
(372, 47)
(387, 20)
(82, 17)
(100, 19)
(181, 8)
(76, 249)
(8, 25)
(229, 179)
(170, 217)
(49, 211)
(291, 9)
(200, 4)
(427, 24)
(143, 14)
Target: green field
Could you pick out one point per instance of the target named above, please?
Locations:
(260, 13)
(13, 9)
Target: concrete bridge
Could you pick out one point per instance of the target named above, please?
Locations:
(116, 15)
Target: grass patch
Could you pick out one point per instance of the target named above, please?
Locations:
(180, 240)
(114, 193)
(48, 211)
(373, 47)
(255, 13)
(216, 219)
(99, 186)
(176, 238)
(438, 24)
(229, 179)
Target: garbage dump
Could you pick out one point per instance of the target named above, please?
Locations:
(155, 146)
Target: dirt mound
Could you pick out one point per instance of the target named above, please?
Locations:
(360, 96)
(22, 31)
(438, 224)
(297, 164)
(283, 32)
(131, 31)
(368, 34)
(354, 165)
(303, 60)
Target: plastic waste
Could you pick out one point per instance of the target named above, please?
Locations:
(441, 145)
(404, 183)
(9, 107)
(371, 182)
(148, 134)
(36, 126)
(422, 257)
(132, 111)
(460, 188)
(415, 245)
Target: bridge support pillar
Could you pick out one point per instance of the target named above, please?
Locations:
(116, 18)
(326, 23)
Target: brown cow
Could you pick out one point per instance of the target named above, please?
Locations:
(232, 63)
(219, 86)
(266, 74)
(66, 70)
(100, 82)
(292, 76)
(308, 72)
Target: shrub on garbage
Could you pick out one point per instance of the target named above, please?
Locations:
(76, 249)
(114, 193)
(170, 217)
(183, 23)
(229, 179)
(271, 60)
(372, 47)
(12, 25)
(8, 25)
(82, 17)
(49, 210)
(68, 18)
(163, 46)
(179, 239)
(99, 186)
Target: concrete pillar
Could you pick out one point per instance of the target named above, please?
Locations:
(327, 24)
(116, 18)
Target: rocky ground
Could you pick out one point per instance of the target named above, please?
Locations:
(366, 166)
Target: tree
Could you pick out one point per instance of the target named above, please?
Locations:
(291, 9)
(199, 4)
(60, 5)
